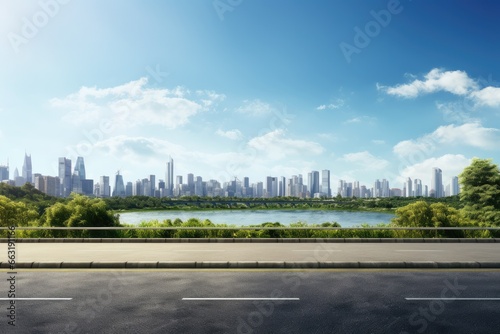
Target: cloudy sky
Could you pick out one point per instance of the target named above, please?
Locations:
(367, 89)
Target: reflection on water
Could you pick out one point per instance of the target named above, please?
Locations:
(252, 217)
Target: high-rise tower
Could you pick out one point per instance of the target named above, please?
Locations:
(119, 189)
(436, 183)
(169, 179)
(325, 183)
(313, 182)
(65, 176)
(4, 172)
(80, 168)
(27, 170)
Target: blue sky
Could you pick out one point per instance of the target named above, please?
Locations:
(366, 89)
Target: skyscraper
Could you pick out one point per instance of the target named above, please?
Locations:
(408, 187)
(325, 183)
(454, 186)
(4, 172)
(80, 168)
(436, 183)
(169, 179)
(119, 189)
(386, 189)
(105, 188)
(27, 170)
(65, 176)
(313, 182)
(78, 176)
(271, 186)
(417, 187)
(282, 186)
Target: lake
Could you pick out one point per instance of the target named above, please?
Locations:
(253, 217)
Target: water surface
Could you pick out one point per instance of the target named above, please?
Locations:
(252, 217)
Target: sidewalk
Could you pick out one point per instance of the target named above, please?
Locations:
(256, 253)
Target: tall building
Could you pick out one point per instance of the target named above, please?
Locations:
(377, 189)
(27, 169)
(51, 185)
(385, 189)
(417, 188)
(409, 188)
(65, 176)
(282, 186)
(190, 183)
(454, 186)
(137, 190)
(119, 189)
(198, 186)
(313, 183)
(80, 168)
(4, 172)
(152, 184)
(272, 186)
(105, 188)
(325, 183)
(169, 177)
(436, 183)
(128, 189)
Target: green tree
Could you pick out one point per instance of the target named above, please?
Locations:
(82, 211)
(418, 214)
(480, 192)
(13, 213)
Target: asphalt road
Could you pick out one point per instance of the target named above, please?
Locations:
(328, 301)
(257, 252)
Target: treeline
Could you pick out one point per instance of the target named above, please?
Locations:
(225, 203)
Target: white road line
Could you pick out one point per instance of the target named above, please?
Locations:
(316, 250)
(36, 298)
(105, 250)
(200, 250)
(240, 298)
(452, 299)
(420, 250)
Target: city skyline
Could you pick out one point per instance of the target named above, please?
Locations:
(67, 182)
(267, 88)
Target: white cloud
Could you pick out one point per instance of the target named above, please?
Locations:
(234, 134)
(457, 112)
(366, 160)
(455, 82)
(489, 96)
(468, 134)
(450, 164)
(360, 119)
(255, 108)
(332, 106)
(130, 105)
(378, 141)
(210, 98)
(276, 146)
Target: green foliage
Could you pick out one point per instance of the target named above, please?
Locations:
(14, 213)
(81, 211)
(480, 192)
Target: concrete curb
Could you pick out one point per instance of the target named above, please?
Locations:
(255, 265)
(252, 240)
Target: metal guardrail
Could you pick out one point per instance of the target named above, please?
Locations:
(254, 228)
